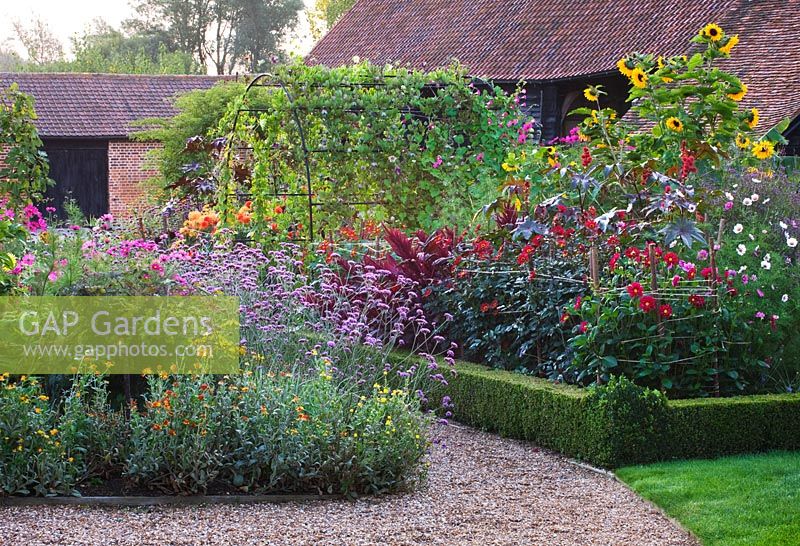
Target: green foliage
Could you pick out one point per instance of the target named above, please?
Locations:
(330, 10)
(621, 423)
(43, 447)
(633, 421)
(508, 317)
(229, 34)
(736, 501)
(425, 147)
(23, 175)
(199, 113)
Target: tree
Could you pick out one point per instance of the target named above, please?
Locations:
(10, 61)
(228, 34)
(42, 46)
(328, 12)
(109, 50)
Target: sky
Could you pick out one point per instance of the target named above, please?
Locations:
(69, 17)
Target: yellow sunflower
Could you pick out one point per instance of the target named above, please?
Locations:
(638, 78)
(730, 44)
(665, 79)
(591, 93)
(742, 141)
(674, 124)
(739, 95)
(712, 31)
(752, 119)
(764, 149)
(623, 67)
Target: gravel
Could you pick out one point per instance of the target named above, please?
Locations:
(482, 490)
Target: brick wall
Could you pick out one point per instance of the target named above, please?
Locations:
(128, 168)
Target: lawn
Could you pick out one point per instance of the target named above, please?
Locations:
(745, 500)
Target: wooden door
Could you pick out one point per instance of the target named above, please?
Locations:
(80, 170)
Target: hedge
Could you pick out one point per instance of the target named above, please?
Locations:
(620, 423)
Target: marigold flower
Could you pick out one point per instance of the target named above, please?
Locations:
(647, 303)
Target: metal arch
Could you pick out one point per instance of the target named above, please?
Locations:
(269, 80)
(296, 118)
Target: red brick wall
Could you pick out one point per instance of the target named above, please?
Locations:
(128, 168)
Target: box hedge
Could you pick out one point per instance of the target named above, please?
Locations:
(620, 423)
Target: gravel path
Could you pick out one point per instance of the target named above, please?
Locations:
(482, 490)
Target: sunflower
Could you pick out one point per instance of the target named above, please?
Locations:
(730, 44)
(712, 31)
(752, 119)
(638, 78)
(623, 67)
(674, 124)
(764, 149)
(739, 95)
(742, 141)
(665, 79)
(591, 93)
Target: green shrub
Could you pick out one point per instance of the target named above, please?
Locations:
(631, 420)
(620, 423)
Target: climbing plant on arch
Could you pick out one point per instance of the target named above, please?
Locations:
(314, 149)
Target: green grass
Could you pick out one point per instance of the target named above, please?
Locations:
(751, 500)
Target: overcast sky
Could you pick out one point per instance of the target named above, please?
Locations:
(68, 17)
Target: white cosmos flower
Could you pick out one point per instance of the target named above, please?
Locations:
(767, 200)
(752, 238)
(791, 242)
(754, 197)
(785, 298)
(783, 225)
(729, 196)
(766, 265)
(741, 249)
(747, 202)
(742, 269)
(767, 258)
(738, 228)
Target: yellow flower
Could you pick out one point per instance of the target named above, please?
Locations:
(53, 431)
(738, 95)
(730, 44)
(591, 93)
(742, 141)
(622, 65)
(638, 78)
(752, 120)
(764, 149)
(713, 32)
(665, 79)
(674, 124)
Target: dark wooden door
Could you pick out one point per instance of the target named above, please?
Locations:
(80, 170)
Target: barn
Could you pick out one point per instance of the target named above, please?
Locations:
(86, 121)
(557, 47)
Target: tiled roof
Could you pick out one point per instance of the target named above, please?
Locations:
(100, 105)
(545, 40)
